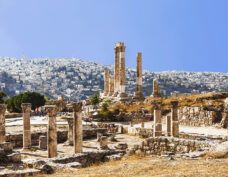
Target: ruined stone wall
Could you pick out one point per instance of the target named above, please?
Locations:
(167, 145)
(195, 116)
(111, 128)
(17, 139)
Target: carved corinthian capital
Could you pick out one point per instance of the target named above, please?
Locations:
(51, 110)
(26, 107)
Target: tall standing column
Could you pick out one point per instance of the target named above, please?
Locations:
(77, 129)
(117, 70)
(123, 96)
(111, 86)
(174, 119)
(106, 82)
(168, 126)
(26, 109)
(52, 130)
(157, 119)
(2, 123)
(138, 94)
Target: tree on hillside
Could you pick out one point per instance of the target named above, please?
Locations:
(95, 100)
(2, 95)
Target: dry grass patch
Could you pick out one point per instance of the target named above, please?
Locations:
(149, 166)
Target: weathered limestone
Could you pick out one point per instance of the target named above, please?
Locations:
(168, 126)
(70, 131)
(52, 130)
(174, 119)
(26, 109)
(77, 127)
(106, 82)
(117, 71)
(122, 95)
(111, 86)
(2, 123)
(157, 119)
(43, 142)
(138, 94)
(156, 89)
(103, 142)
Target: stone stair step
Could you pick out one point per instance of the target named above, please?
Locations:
(6, 146)
(15, 156)
(20, 173)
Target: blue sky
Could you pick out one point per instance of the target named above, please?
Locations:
(190, 35)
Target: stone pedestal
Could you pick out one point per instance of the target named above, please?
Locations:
(157, 119)
(52, 130)
(174, 119)
(168, 126)
(138, 94)
(2, 123)
(43, 142)
(26, 109)
(104, 142)
(77, 127)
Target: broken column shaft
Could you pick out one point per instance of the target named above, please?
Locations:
(2, 123)
(106, 82)
(138, 94)
(157, 119)
(26, 109)
(52, 130)
(174, 119)
(168, 126)
(111, 86)
(77, 127)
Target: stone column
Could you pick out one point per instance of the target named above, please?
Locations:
(168, 126)
(2, 123)
(156, 89)
(52, 130)
(111, 86)
(157, 119)
(26, 109)
(106, 82)
(174, 119)
(122, 95)
(117, 70)
(138, 94)
(70, 131)
(77, 127)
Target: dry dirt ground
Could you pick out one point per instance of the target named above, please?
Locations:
(153, 166)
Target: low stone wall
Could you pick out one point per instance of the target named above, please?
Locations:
(195, 116)
(111, 127)
(168, 145)
(17, 139)
(142, 132)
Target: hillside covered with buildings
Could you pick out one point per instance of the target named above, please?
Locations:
(77, 79)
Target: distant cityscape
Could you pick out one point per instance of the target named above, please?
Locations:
(77, 79)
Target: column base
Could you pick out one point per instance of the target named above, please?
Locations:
(110, 94)
(123, 97)
(138, 96)
(115, 94)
